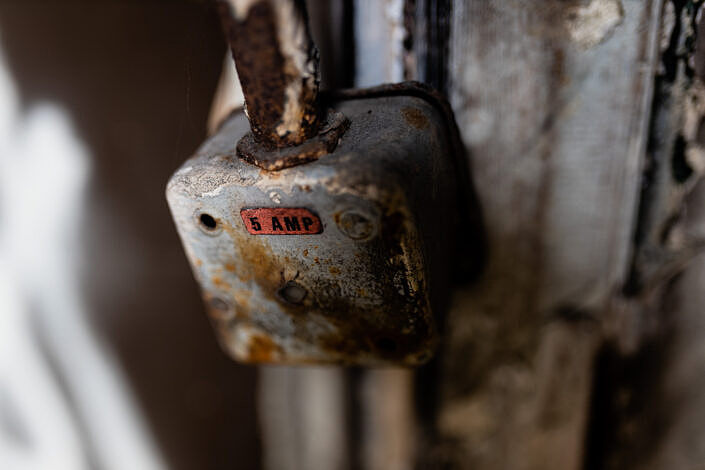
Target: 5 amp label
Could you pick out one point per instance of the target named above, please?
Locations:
(281, 221)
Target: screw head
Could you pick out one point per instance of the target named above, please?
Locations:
(293, 293)
(355, 224)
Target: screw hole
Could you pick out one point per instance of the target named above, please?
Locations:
(208, 222)
(219, 304)
(219, 309)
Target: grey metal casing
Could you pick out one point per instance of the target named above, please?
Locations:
(370, 280)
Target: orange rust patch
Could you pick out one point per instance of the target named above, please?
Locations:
(198, 262)
(230, 267)
(315, 260)
(256, 263)
(262, 349)
(256, 260)
(218, 282)
(333, 270)
(242, 298)
(414, 117)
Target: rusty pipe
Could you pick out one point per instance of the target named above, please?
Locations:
(277, 63)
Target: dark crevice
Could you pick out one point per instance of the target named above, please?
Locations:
(670, 57)
(347, 75)
(674, 54)
(681, 169)
(624, 428)
(409, 38)
(438, 16)
(353, 416)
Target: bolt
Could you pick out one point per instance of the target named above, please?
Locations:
(275, 196)
(293, 292)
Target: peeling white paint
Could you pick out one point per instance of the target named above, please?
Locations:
(241, 7)
(294, 44)
(588, 25)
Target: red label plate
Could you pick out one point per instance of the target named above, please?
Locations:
(281, 221)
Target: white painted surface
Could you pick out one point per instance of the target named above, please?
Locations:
(379, 35)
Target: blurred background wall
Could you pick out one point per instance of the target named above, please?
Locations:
(132, 83)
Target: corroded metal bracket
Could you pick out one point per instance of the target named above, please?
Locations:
(278, 68)
(277, 158)
(277, 64)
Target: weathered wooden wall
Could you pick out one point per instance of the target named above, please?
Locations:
(578, 346)
(553, 101)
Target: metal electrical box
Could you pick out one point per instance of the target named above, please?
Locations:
(339, 257)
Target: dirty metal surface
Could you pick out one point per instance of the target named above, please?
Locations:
(362, 290)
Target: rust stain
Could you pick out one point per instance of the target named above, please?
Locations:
(415, 117)
(305, 253)
(275, 158)
(230, 267)
(198, 262)
(256, 260)
(218, 282)
(257, 263)
(242, 298)
(378, 335)
(263, 349)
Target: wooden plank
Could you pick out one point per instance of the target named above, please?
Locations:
(553, 100)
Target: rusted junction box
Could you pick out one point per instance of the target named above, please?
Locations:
(342, 259)
(322, 230)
